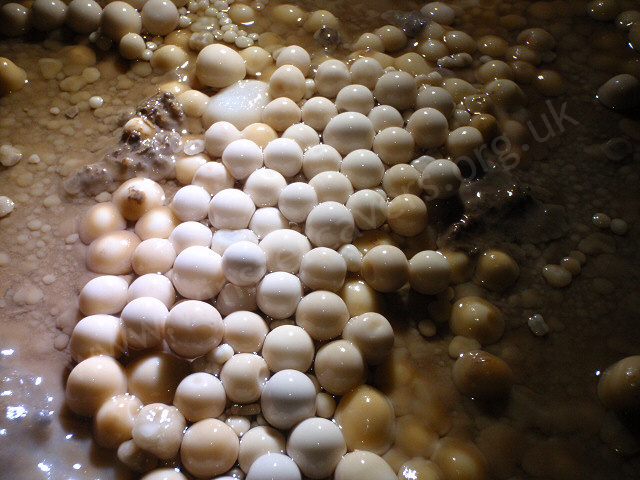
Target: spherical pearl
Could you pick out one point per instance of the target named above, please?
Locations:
(222, 239)
(137, 196)
(294, 55)
(368, 208)
(316, 445)
(407, 215)
(363, 168)
(363, 464)
(193, 103)
(244, 377)
(331, 187)
(96, 335)
(278, 294)
(323, 269)
(259, 133)
(359, 297)
(83, 16)
(288, 347)
(209, 448)
(394, 145)
(477, 318)
(159, 17)
(288, 398)
(193, 328)
(200, 396)
(119, 18)
(351, 256)
(349, 131)
(111, 253)
(372, 334)
(284, 250)
(245, 331)
(114, 420)
(321, 158)
(190, 234)
(106, 294)
(47, 15)
(397, 89)
(219, 66)
(266, 220)
(429, 272)
(296, 201)
(264, 186)
(274, 465)
(242, 157)
(465, 142)
(355, 98)
(496, 270)
(428, 127)
(385, 116)
(158, 222)
(152, 285)
(305, 136)
(331, 77)
(330, 224)
(231, 209)
(366, 418)
(233, 298)
(257, 59)
(218, 136)
(92, 382)
(131, 46)
(322, 314)
(441, 179)
(283, 155)
(385, 268)
(158, 429)
(213, 177)
(244, 263)
(155, 376)
(401, 179)
(197, 273)
(155, 255)
(317, 111)
(191, 203)
(281, 113)
(257, 442)
(287, 81)
(366, 71)
(437, 98)
(15, 19)
(143, 321)
(339, 367)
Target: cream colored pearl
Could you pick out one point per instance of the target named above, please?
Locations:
(339, 367)
(92, 382)
(209, 448)
(112, 252)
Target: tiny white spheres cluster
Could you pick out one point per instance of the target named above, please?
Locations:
(278, 226)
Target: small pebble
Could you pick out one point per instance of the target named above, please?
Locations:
(601, 220)
(619, 226)
(6, 206)
(556, 276)
(96, 102)
(537, 325)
